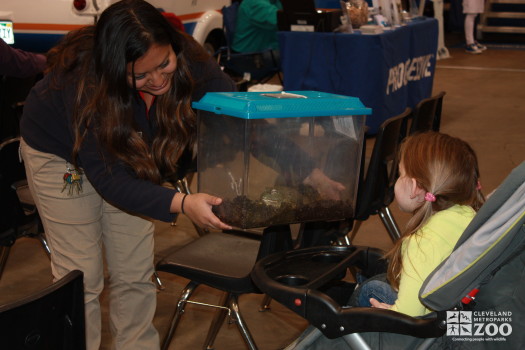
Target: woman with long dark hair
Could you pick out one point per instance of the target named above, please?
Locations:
(110, 122)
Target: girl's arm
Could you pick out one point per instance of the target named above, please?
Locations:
(417, 265)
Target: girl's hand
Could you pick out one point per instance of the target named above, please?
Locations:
(379, 305)
(198, 209)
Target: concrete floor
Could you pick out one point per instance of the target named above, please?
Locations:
(483, 105)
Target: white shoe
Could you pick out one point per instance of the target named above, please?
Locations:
(443, 53)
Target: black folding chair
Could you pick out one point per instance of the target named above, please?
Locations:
(223, 261)
(426, 115)
(50, 319)
(376, 184)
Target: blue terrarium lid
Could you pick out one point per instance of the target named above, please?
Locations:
(280, 104)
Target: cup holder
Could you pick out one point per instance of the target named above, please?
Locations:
(328, 257)
(292, 280)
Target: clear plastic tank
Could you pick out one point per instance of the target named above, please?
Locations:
(279, 158)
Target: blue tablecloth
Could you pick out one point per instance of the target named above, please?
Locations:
(388, 72)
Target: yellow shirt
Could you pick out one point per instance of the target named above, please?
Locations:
(424, 251)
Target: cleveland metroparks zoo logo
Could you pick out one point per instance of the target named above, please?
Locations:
(479, 325)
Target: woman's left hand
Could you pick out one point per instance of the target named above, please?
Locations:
(379, 305)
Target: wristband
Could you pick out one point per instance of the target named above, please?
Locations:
(182, 203)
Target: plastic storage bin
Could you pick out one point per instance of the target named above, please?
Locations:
(280, 157)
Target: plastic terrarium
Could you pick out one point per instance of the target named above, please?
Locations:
(280, 157)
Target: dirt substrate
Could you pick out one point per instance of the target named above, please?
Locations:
(244, 213)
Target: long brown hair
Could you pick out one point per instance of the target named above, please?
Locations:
(98, 56)
(445, 166)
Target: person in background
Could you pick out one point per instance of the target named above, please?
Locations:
(471, 9)
(442, 51)
(108, 124)
(256, 26)
(17, 63)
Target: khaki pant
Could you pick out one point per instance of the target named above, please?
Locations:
(83, 229)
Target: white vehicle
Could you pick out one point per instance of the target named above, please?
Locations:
(36, 25)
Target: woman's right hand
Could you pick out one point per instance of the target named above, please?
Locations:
(198, 208)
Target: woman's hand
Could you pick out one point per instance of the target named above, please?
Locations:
(327, 188)
(379, 305)
(198, 208)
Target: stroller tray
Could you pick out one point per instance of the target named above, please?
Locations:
(303, 280)
(289, 277)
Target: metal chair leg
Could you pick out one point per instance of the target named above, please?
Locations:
(4, 254)
(234, 307)
(390, 224)
(181, 304)
(353, 232)
(386, 218)
(41, 237)
(217, 322)
(158, 282)
(265, 304)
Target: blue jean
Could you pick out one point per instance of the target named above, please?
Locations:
(376, 287)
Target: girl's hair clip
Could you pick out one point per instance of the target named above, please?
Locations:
(429, 197)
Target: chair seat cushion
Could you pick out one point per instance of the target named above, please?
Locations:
(219, 260)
